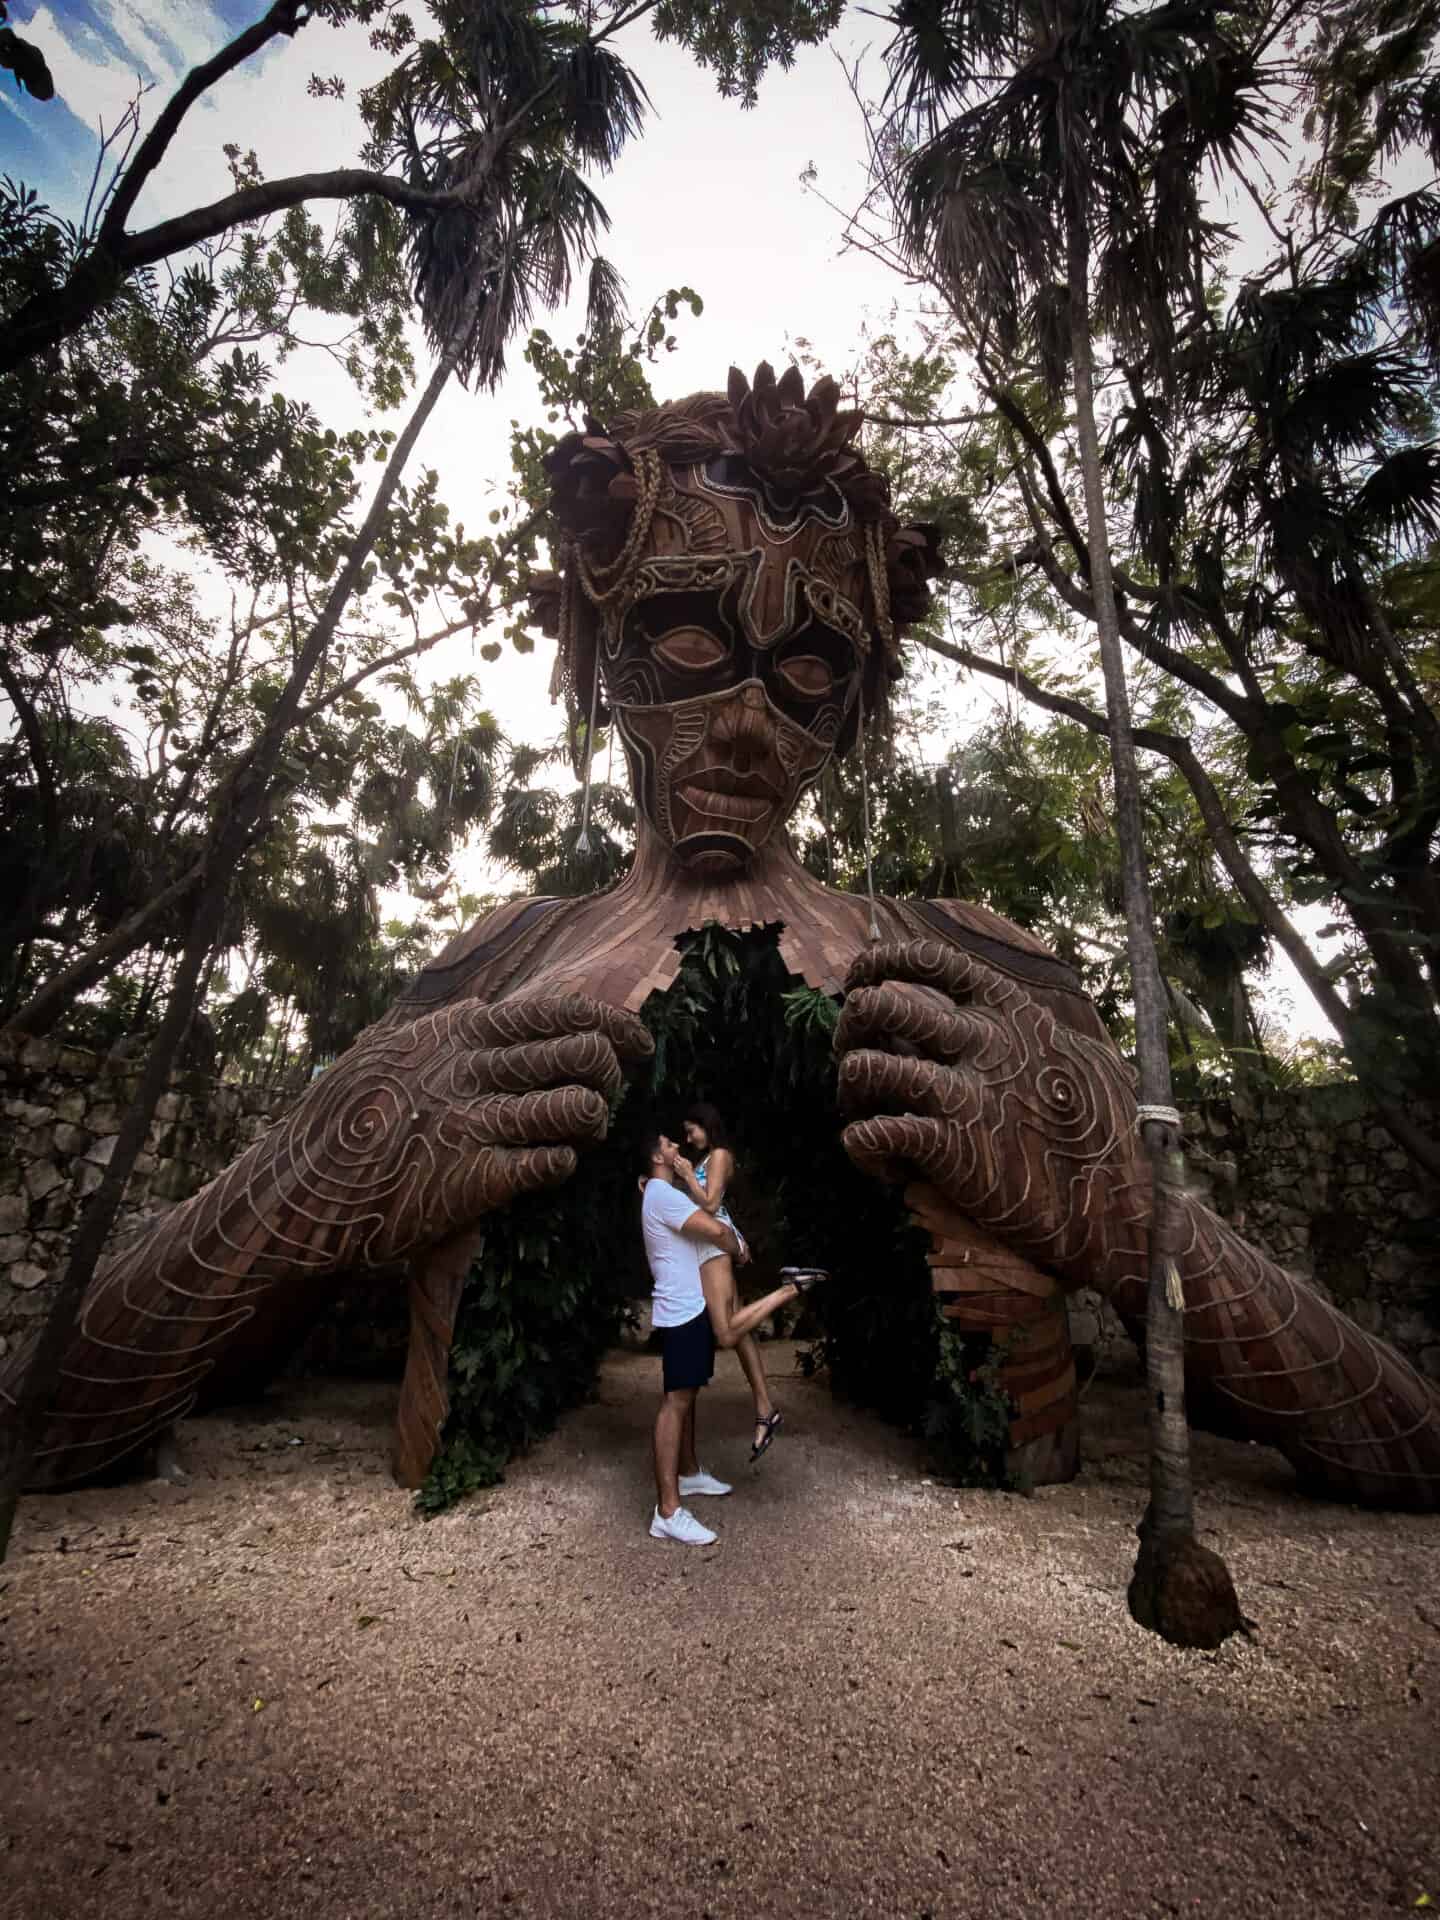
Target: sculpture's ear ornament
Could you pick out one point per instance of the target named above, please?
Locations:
(546, 594)
(912, 560)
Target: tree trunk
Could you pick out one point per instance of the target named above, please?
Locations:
(232, 835)
(46, 1005)
(1166, 1567)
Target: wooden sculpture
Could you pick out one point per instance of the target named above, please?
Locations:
(731, 588)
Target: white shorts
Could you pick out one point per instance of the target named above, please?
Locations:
(719, 1253)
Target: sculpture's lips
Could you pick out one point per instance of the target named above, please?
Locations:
(726, 806)
(729, 796)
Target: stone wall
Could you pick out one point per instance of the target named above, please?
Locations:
(1305, 1174)
(1309, 1177)
(61, 1111)
(1330, 1197)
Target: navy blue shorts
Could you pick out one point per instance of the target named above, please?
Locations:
(687, 1353)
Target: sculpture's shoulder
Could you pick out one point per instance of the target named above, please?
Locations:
(1010, 950)
(486, 960)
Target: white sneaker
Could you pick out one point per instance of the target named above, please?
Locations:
(680, 1526)
(702, 1482)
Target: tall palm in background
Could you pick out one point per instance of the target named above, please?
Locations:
(1051, 158)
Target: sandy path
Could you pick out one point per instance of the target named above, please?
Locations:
(876, 1696)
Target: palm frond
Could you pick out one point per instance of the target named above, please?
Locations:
(1400, 501)
(605, 308)
(602, 104)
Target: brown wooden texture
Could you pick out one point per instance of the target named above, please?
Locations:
(1028, 1129)
(985, 1287)
(732, 591)
(437, 1279)
(417, 1133)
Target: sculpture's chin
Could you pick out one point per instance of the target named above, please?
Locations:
(714, 854)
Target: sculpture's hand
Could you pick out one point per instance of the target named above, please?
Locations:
(1026, 1127)
(408, 1139)
(424, 1128)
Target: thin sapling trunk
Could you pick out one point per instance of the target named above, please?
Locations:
(1179, 1589)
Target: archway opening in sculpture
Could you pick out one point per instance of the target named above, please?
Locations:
(546, 1294)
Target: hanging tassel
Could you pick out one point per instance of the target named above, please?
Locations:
(1174, 1290)
(582, 840)
(865, 820)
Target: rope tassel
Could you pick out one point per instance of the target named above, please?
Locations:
(582, 839)
(865, 823)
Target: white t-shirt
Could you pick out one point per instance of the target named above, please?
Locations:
(674, 1260)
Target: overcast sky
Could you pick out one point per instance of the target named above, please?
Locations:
(710, 197)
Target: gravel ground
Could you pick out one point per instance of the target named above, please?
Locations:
(274, 1690)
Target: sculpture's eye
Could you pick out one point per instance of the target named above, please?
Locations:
(691, 649)
(807, 675)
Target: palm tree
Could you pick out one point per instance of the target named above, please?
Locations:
(1052, 187)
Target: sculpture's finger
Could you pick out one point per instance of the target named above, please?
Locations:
(930, 963)
(894, 1147)
(506, 1023)
(577, 1059)
(872, 1082)
(505, 1172)
(525, 1119)
(910, 1020)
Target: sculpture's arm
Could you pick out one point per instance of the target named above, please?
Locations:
(1028, 1128)
(413, 1135)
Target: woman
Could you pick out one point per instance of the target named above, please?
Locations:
(707, 1183)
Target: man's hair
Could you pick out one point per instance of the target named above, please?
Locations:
(646, 1149)
(702, 1114)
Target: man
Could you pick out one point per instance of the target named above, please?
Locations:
(674, 1229)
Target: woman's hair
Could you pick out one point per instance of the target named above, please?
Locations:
(702, 1114)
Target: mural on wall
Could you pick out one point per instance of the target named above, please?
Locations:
(731, 591)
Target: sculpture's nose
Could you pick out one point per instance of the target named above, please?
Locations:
(743, 727)
(768, 607)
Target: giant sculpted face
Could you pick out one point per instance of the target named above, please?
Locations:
(732, 583)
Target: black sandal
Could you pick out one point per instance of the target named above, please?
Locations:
(770, 1426)
(804, 1278)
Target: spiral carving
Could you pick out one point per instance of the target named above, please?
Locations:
(412, 1136)
(1029, 1129)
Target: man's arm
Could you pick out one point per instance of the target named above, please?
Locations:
(704, 1226)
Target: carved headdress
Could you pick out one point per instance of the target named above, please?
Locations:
(751, 511)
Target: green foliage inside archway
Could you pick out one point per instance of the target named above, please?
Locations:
(551, 1287)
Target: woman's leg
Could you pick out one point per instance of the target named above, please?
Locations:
(747, 1349)
(734, 1326)
(747, 1352)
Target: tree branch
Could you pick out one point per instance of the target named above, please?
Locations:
(1424, 1150)
(284, 17)
(422, 643)
(919, 426)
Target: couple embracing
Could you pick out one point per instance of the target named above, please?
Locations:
(693, 1249)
